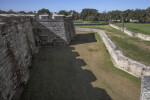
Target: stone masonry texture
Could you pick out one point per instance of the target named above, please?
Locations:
(20, 38)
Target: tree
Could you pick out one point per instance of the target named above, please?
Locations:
(104, 16)
(22, 12)
(115, 15)
(126, 15)
(91, 18)
(30, 12)
(63, 12)
(88, 12)
(148, 15)
(2, 12)
(140, 15)
(11, 12)
(75, 14)
(44, 11)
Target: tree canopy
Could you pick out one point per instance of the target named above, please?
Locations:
(63, 12)
(89, 12)
(75, 14)
(43, 11)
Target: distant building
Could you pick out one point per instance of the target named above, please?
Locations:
(114, 20)
(134, 21)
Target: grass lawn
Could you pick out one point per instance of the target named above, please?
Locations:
(82, 71)
(88, 22)
(136, 27)
(131, 47)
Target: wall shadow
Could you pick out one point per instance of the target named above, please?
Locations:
(56, 74)
(84, 38)
(45, 37)
(92, 24)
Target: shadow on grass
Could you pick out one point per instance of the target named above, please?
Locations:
(84, 38)
(57, 74)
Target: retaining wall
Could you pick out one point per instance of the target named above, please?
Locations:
(124, 63)
(119, 60)
(139, 35)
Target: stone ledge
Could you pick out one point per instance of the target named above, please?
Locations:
(139, 35)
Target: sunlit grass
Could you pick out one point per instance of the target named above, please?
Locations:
(137, 52)
(136, 27)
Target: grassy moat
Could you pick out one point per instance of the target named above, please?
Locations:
(132, 47)
(82, 71)
(136, 27)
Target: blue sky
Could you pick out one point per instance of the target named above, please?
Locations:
(78, 5)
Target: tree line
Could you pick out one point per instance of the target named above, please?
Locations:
(142, 15)
(13, 12)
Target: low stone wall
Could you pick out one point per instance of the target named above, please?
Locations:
(139, 35)
(119, 60)
(17, 47)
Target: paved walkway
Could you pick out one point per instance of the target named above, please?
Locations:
(77, 72)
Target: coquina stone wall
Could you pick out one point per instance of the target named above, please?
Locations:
(145, 88)
(57, 31)
(17, 47)
(20, 38)
(119, 60)
(140, 35)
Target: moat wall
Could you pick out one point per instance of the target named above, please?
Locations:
(119, 60)
(17, 47)
(126, 64)
(20, 38)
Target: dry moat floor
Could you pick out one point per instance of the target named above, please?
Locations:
(82, 71)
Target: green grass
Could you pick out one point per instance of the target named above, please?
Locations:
(88, 22)
(136, 27)
(137, 52)
(109, 63)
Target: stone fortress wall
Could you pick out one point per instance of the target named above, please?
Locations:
(17, 47)
(139, 35)
(61, 26)
(124, 63)
(20, 38)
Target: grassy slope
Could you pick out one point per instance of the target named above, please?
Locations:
(88, 22)
(110, 65)
(136, 27)
(132, 47)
